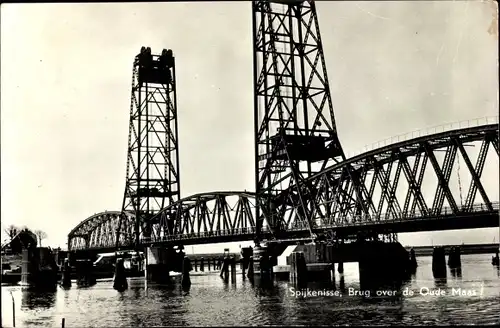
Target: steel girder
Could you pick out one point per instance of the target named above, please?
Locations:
(152, 177)
(295, 132)
(99, 231)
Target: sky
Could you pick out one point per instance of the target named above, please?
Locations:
(394, 67)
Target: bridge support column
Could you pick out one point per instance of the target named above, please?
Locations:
(454, 260)
(120, 279)
(246, 253)
(233, 267)
(341, 268)
(439, 262)
(413, 261)
(224, 272)
(202, 264)
(298, 268)
(157, 267)
(186, 268)
(66, 274)
(382, 265)
(84, 273)
(262, 264)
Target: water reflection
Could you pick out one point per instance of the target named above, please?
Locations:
(456, 273)
(211, 301)
(36, 299)
(440, 283)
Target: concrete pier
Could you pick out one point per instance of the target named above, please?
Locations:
(439, 262)
(382, 265)
(262, 264)
(158, 268)
(120, 279)
(186, 268)
(84, 273)
(232, 263)
(224, 272)
(413, 261)
(246, 253)
(250, 272)
(454, 260)
(66, 274)
(298, 268)
(341, 267)
(38, 269)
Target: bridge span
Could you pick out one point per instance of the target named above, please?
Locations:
(404, 202)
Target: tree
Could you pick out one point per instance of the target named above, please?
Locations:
(41, 236)
(12, 231)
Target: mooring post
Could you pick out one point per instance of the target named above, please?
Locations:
(63, 321)
(66, 274)
(208, 264)
(439, 262)
(195, 265)
(202, 263)
(13, 310)
(341, 267)
(120, 280)
(186, 268)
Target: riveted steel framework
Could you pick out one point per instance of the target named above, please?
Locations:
(152, 178)
(295, 132)
(99, 231)
(408, 186)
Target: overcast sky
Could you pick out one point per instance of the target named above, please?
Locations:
(394, 67)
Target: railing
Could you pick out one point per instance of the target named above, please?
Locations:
(427, 131)
(348, 222)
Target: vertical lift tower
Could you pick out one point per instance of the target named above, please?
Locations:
(152, 181)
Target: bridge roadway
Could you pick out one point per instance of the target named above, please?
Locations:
(480, 217)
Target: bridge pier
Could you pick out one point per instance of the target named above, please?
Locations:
(413, 261)
(120, 280)
(439, 262)
(246, 253)
(66, 274)
(262, 263)
(454, 260)
(382, 265)
(39, 269)
(298, 268)
(84, 273)
(186, 268)
(157, 264)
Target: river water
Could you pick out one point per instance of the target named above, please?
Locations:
(213, 302)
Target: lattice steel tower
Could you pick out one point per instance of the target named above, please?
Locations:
(295, 133)
(153, 157)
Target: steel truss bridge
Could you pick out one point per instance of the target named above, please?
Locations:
(412, 180)
(306, 187)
